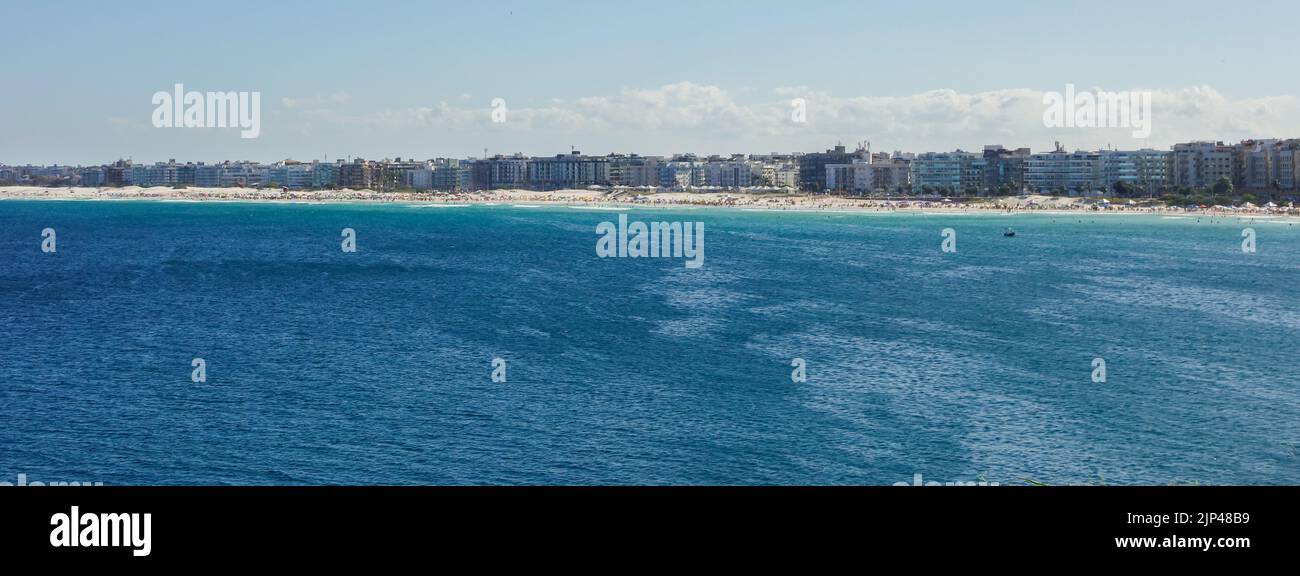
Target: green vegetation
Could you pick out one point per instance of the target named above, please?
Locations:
(1222, 187)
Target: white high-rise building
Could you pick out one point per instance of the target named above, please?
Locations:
(1199, 165)
(1146, 171)
(1061, 171)
(952, 172)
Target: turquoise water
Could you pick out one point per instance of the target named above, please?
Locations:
(375, 367)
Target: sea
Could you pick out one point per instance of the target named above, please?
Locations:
(187, 343)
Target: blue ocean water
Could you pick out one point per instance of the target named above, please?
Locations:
(325, 367)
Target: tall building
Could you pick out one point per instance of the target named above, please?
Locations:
(465, 175)
(785, 175)
(501, 172)
(420, 179)
(158, 174)
(736, 172)
(325, 174)
(679, 173)
(1061, 172)
(185, 174)
(1286, 165)
(948, 172)
(207, 175)
(1145, 171)
(289, 174)
(243, 174)
(357, 175)
(883, 174)
(634, 170)
(116, 174)
(568, 171)
(391, 174)
(1199, 165)
(1265, 164)
(1252, 164)
(93, 176)
(840, 177)
(452, 175)
(1004, 169)
(812, 167)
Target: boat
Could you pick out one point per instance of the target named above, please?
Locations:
(1008, 232)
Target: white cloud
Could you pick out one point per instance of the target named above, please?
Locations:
(696, 117)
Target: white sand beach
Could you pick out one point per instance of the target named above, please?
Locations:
(612, 198)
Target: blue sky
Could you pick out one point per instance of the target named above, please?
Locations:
(384, 79)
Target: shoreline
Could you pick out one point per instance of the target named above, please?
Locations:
(623, 200)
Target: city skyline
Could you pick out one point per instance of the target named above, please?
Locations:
(1266, 165)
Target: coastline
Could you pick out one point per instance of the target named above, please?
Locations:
(627, 199)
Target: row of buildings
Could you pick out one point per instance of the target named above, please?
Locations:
(1192, 166)
(562, 171)
(685, 171)
(1248, 165)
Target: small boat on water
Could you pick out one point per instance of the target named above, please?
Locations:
(1008, 232)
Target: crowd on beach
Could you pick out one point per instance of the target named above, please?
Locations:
(777, 201)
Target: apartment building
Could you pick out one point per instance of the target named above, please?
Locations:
(736, 172)
(951, 172)
(812, 167)
(357, 175)
(840, 178)
(571, 170)
(1004, 169)
(1198, 165)
(289, 174)
(1059, 171)
(501, 172)
(1145, 171)
(1286, 165)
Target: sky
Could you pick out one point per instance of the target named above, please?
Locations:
(413, 79)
